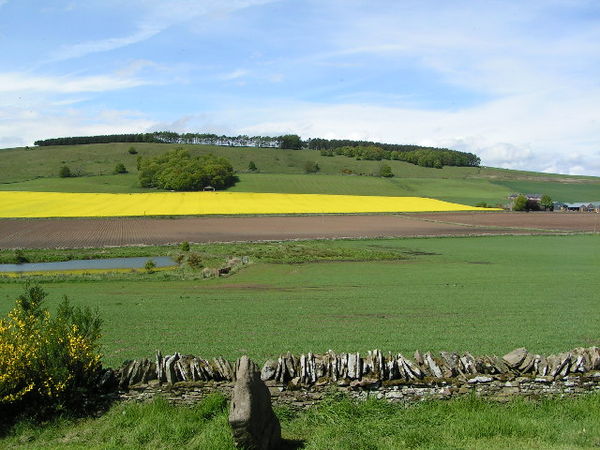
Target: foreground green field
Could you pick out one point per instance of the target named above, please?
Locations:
(334, 424)
(483, 295)
(36, 169)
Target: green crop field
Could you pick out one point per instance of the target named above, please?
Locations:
(483, 295)
(279, 170)
(477, 294)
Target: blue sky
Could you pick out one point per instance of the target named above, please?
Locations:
(518, 83)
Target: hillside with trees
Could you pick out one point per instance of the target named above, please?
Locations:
(414, 154)
(93, 168)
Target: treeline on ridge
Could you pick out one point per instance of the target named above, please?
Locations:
(424, 157)
(168, 137)
(414, 154)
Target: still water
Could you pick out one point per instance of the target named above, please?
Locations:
(86, 264)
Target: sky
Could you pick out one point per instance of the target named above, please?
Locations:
(516, 82)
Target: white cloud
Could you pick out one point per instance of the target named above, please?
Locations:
(236, 74)
(156, 16)
(136, 66)
(22, 82)
(27, 126)
(535, 81)
(144, 32)
(481, 46)
(529, 132)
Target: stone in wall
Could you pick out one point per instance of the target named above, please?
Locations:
(352, 369)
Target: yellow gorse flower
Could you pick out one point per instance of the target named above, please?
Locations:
(27, 344)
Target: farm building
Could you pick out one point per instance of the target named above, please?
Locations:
(532, 199)
(579, 206)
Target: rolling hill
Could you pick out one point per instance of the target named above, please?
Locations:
(36, 169)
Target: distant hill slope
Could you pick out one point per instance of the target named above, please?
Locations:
(283, 171)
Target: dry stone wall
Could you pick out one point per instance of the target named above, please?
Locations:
(303, 380)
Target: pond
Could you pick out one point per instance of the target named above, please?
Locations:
(89, 264)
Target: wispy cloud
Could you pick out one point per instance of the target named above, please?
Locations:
(144, 32)
(15, 82)
(480, 46)
(26, 126)
(156, 16)
(521, 132)
(236, 74)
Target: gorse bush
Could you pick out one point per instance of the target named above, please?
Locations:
(47, 364)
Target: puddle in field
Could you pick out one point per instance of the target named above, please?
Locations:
(89, 264)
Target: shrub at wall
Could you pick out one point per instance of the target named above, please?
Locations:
(47, 364)
(177, 170)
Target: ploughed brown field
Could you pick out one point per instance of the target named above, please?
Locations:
(74, 233)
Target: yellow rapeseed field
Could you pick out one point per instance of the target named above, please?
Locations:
(55, 204)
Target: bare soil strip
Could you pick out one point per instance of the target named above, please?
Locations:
(551, 221)
(77, 233)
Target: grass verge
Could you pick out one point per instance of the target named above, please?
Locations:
(337, 423)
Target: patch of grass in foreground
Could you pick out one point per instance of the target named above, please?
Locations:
(154, 424)
(337, 423)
